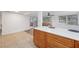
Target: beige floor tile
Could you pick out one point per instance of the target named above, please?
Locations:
(17, 40)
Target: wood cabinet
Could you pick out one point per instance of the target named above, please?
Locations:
(47, 40)
(76, 44)
(59, 41)
(39, 38)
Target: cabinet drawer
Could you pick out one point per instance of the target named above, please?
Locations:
(39, 34)
(62, 40)
(56, 45)
(39, 38)
(76, 44)
(67, 42)
(40, 44)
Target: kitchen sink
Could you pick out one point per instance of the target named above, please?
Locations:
(52, 27)
(73, 30)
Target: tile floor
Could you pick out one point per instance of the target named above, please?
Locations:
(17, 40)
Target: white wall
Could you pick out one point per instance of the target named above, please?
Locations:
(0, 21)
(12, 23)
(40, 18)
(55, 22)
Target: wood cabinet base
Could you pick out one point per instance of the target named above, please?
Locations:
(76, 44)
(46, 40)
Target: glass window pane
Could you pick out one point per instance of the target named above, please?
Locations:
(46, 21)
(62, 19)
(73, 19)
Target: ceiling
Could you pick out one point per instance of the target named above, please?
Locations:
(60, 12)
(35, 13)
(29, 13)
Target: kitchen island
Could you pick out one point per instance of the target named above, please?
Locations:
(45, 37)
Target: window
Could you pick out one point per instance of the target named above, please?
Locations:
(62, 19)
(73, 19)
(46, 21)
(69, 19)
(33, 21)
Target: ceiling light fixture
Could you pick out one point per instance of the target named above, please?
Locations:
(16, 11)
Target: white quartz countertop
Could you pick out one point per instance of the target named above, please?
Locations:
(61, 32)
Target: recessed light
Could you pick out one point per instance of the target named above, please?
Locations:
(16, 11)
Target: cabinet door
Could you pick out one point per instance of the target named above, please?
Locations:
(39, 38)
(76, 44)
(59, 42)
(55, 44)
